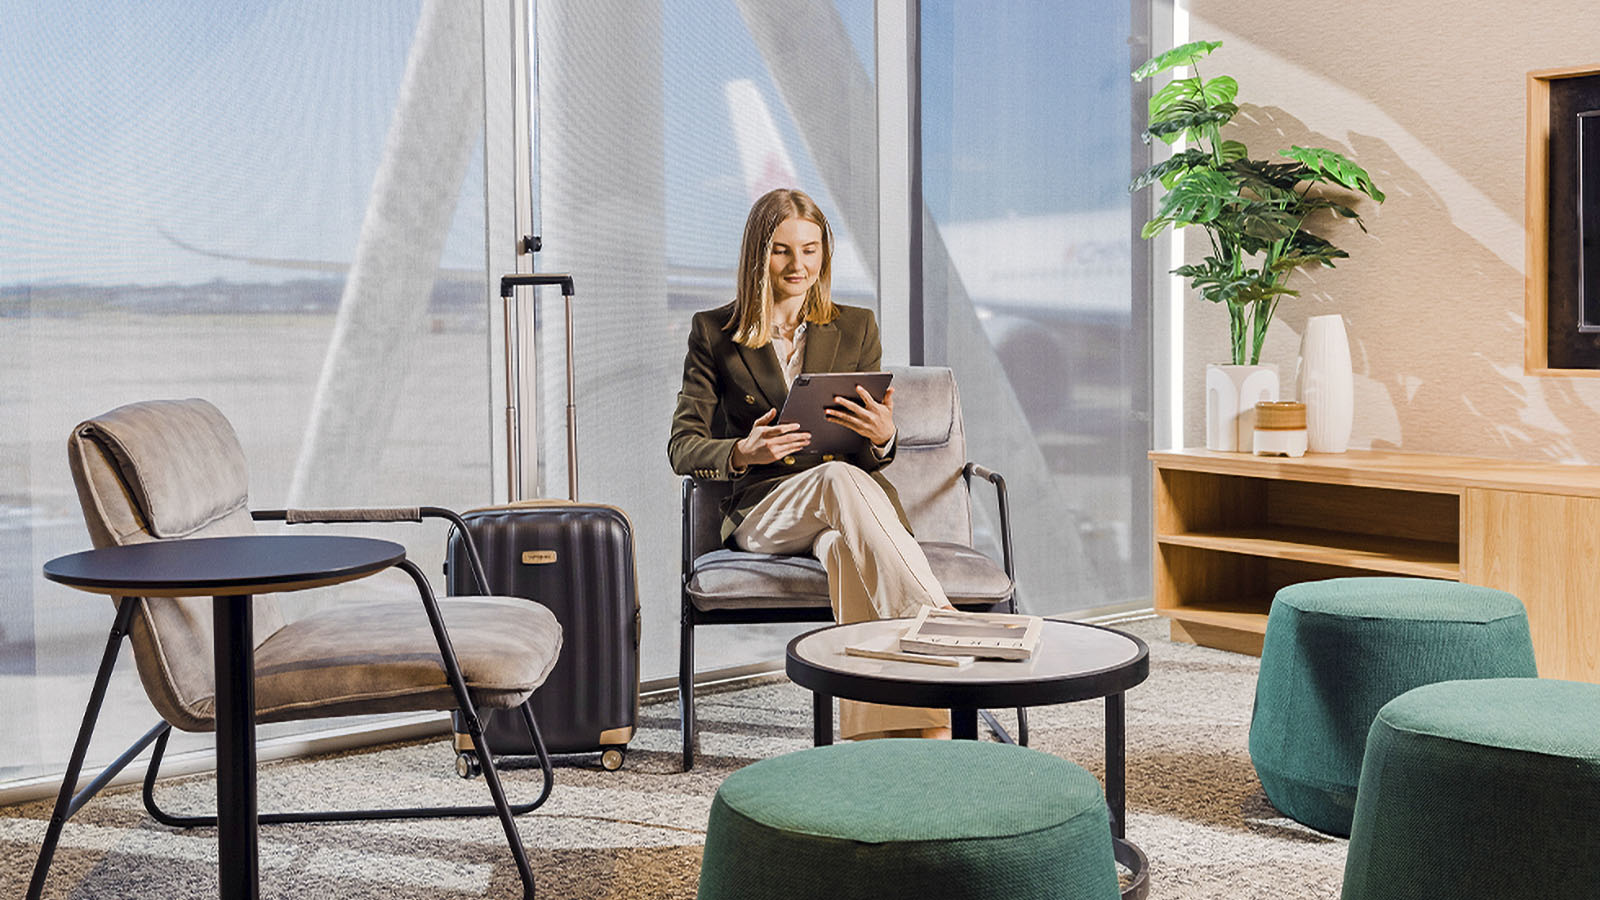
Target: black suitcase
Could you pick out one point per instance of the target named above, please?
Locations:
(577, 560)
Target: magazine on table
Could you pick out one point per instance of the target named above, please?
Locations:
(983, 635)
(887, 646)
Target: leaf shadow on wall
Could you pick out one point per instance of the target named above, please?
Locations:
(1435, 320)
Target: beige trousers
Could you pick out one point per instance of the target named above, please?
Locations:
(875, 568)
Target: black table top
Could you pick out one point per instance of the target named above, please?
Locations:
(1074, 661)
(221, 566)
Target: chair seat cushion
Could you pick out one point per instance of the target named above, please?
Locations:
(309, 668)
(736, 579)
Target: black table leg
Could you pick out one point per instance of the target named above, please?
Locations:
(233, 653)
(1116, 762)
(821, 719)
(1128, 854)
(964, 724)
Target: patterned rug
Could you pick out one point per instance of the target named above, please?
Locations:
(1195, 807)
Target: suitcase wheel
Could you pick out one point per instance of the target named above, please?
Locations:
(467, 765)
(611, 758)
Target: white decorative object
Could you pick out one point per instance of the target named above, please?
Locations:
(1280, 442)
(1326, 384)
(1280, 429)
(1232, 393)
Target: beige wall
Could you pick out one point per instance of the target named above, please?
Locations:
(1429, 97)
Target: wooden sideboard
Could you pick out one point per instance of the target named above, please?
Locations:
(1233, 528)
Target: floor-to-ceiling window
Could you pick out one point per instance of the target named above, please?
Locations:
(278, 206)
(659, 122)
(1027, 288)
(192, 197)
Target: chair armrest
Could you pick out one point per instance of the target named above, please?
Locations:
(382, 514)
(973, 469)
(683, 571)
(350, 514)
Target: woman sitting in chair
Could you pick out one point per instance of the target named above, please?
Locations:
(742, 358)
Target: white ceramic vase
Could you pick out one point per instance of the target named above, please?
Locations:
(1232, 393)
(1327, 386)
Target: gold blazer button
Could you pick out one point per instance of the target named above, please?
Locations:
(749, 398)
(827, 457)
(788, 460)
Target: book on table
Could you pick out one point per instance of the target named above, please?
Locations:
(887, 646)
(983, 635)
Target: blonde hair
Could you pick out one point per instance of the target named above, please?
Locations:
(751, 322)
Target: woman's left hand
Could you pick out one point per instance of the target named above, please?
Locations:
(868, 418)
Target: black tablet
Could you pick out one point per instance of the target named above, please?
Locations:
(814, 392)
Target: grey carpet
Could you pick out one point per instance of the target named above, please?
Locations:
(1195, 808)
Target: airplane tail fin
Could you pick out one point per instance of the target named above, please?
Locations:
(763, 160)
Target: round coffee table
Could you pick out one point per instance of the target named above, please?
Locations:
(230, 569)
(1074, 661)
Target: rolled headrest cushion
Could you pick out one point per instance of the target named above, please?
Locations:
(180, 459)
(924, 405)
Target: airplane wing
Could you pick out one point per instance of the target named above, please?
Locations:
(311, 265)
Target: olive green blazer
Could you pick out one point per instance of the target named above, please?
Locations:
(726, 387)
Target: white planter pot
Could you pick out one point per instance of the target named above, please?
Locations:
(1327, 386)
(1232, 393)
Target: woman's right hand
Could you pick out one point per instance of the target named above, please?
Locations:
(769, 443)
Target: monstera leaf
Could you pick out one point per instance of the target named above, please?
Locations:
(1219, 90)
(1169, 169)
(1232, 150)
(1197, 198)
(1189, 116)
(1177, 56)
(1274, 180)
(1330, 166)
(1219, 282)
(1306, 249)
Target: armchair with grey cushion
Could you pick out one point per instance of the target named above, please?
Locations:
(723, 586)
(169, 469)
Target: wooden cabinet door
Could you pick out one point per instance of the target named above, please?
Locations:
(1544, 548)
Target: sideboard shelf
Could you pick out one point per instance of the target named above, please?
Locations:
(1231, 529)
(1377, 553)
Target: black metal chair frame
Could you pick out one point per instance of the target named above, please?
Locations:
(69, 802)
(692, 616)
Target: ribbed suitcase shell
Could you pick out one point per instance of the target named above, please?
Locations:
(590, 701)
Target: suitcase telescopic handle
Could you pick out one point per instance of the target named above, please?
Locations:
(508, 285)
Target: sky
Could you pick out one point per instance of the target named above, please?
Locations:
(1024, 107)
(246, 128)
(255, 128)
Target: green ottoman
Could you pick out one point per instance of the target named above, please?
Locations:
(913, 819)
(1338, 650)
(1481, 790)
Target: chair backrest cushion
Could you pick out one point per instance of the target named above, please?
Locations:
(161, 470)
(930, 453)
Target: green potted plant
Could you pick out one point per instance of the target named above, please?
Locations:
(1256, 215)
